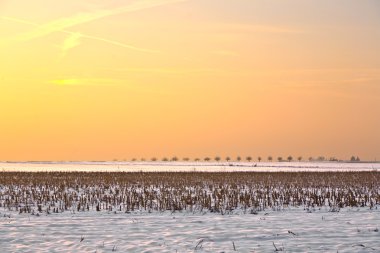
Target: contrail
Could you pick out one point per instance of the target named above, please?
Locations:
(61, 25)
(64, 23)
(81, 35)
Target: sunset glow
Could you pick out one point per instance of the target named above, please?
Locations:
(103, 80)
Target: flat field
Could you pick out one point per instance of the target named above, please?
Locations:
(174, 209)
(186, 166)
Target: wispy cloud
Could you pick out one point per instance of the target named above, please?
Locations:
(81, 18)
(271, 29)
(100, 82)
(120, 44)
(254, 28)
(225, 53)
(73, 40)
(86, 81)
(174, 71)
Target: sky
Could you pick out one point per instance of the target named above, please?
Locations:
(118, 79)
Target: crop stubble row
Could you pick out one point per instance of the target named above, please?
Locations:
(249, 192)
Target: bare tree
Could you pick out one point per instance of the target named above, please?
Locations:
(249, 158)
(355, 159)
(290, 158)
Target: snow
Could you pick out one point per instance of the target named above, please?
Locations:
(293, 230)
(289, 229)
(186, 166)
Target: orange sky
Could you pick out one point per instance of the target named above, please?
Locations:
(103, 80)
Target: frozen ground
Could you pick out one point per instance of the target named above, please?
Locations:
(187, 166)
(294, 230)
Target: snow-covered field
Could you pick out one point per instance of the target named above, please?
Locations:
(186, 166)
(189, 212)
(295, 230)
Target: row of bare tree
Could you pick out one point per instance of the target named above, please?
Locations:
(219, 159)
(247, 158)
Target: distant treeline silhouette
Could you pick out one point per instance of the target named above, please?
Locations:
(289, 158)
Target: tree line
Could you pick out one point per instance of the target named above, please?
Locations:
(246, 159)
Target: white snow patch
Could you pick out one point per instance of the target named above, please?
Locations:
(186, 166)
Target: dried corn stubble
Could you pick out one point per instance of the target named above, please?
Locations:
(249, 192)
